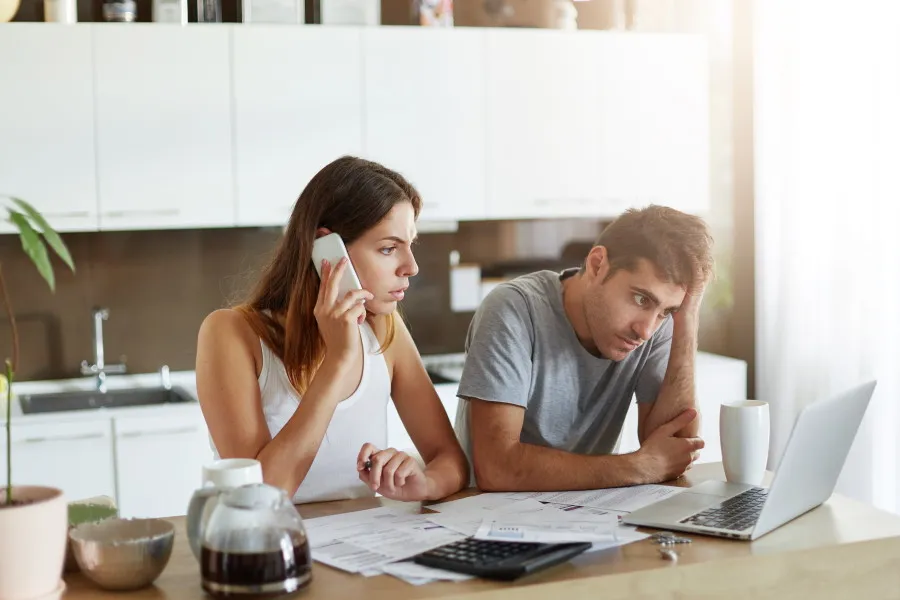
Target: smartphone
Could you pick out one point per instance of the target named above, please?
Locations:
(331, 248)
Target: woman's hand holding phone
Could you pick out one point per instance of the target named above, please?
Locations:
(339, 317)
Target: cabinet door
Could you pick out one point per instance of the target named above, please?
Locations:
(425, 114)
(447, 393)
(591, 123)
(159, 461)
(543, 124)
(399, 438)
(75, 457)
(654, 110)
(297, 107)
(717, 379)
(47, 122)
(164, 148)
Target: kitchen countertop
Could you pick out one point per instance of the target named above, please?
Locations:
(182, 379)
(447, 367)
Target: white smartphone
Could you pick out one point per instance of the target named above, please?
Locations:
(331, 248)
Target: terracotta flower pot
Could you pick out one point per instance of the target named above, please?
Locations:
(33, 543)
(8, 10)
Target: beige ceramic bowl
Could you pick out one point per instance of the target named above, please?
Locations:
(123, 554)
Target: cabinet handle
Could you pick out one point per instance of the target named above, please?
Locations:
(75, 214)
(64, 438)
(549, 201)
(162, 212)
(136, 434)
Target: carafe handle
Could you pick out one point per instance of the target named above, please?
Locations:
(202, 503)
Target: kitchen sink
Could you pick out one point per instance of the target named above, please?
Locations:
(92, 399)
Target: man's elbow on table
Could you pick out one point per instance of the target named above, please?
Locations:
(494, 471)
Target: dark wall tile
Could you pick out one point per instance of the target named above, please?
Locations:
(159, 285)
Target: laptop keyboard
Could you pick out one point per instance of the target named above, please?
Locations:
(735, 514)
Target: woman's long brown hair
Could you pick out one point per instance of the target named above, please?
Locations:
(348, 196)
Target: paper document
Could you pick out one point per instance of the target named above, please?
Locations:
(623, 499)
(360, 554)
(625, 534)
(467, 520)
(404, 542)
(409, 570)
(574, 509)
(368, 539)
(324, 530)
(549, 528)
(348, 557)
(487, 501)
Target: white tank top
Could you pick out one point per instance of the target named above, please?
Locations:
(359, 419)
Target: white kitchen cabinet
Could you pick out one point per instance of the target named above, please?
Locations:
(47, 122)
(154, 126)
(76, 457)
(163, 122)
(543, 124)
(298, 105)
(159, 461)
(589, 124)
(425, 114)
(654, 111)
(399, 438)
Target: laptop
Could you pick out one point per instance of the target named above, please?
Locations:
(809, 469)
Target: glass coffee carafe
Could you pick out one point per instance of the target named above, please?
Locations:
(254, 544)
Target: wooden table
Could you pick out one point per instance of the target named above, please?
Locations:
(842, 549)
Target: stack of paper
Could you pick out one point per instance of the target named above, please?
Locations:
(466, 516)
(416, 574)
(622, 500)
(548, 529)
(368, 539)
(380, 540)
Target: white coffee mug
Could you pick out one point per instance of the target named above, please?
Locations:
(744, 436)
(218, 478)
(232, 472)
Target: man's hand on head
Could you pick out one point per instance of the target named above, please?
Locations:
(693, 297)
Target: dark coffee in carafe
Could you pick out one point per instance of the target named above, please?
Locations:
(270, 573)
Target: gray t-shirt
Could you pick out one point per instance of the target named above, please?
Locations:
(521, 349)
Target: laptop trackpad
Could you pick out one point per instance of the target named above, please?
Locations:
(720, 488)
(677, 507)
(689, 503)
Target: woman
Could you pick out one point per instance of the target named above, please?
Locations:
(299, 378)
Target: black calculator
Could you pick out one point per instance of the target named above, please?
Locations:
(499, 560)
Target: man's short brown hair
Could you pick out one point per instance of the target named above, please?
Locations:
(677, 244)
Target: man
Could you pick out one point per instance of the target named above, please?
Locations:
(555, 358)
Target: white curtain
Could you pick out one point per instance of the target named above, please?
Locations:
(827, 167)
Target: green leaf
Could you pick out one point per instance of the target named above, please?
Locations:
(83, 512)
(49, 233)
(34, 247)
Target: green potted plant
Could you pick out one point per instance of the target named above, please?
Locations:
(33, 519)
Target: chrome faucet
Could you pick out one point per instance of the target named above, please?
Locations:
(100, 368)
